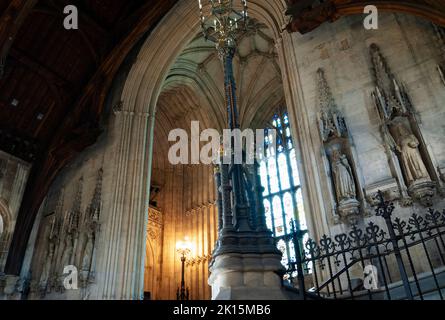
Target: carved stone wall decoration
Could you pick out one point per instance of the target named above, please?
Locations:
(90, 231)
(408, 154)
(155, 224)
(345, 188)
(199, 209)
(71, 232)
(49, 276)
(70, 239)
(389, 188)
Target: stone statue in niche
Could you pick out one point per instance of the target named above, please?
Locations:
(408, 146)
(406, 150)
(343, 184)
(343, 178)
(338, 151)
(417, 178)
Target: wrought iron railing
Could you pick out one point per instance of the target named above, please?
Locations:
(407, 254)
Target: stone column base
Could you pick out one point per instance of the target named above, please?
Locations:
(247, 277)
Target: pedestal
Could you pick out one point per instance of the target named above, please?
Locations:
(349, 210)
(248, 277)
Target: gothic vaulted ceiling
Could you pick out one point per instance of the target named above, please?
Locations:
(194, 88)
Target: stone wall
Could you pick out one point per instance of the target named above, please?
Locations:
(73, 226)
(342, 50)
(13, 177)
(75, 223)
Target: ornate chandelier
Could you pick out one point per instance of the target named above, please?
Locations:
(242, 224)
(222, 23)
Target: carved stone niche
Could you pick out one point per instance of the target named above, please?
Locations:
(341, 169)
(343, 181)
(412, 160)
(155, 224)
(407, 151)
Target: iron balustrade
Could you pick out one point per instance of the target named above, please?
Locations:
(333, 258)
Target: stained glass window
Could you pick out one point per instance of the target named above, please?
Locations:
(283, 200)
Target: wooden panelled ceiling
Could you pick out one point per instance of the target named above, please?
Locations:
(47, 68)
(54, 84)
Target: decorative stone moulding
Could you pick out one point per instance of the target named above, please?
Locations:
(389, 188)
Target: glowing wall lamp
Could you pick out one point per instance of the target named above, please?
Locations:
(184, 248)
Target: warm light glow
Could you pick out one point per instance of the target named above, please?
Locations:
(184, 247)
(223, 24)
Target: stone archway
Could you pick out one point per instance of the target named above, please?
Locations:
(133, 132)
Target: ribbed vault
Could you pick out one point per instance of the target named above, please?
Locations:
(200, 70)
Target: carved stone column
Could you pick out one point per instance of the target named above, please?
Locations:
(121, 270)
(301, 131)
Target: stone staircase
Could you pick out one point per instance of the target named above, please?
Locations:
(427, 286)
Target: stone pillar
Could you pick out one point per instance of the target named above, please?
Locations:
(124, 237)
(309, 157)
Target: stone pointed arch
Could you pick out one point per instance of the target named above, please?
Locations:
(165, 44)
(134, 132)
